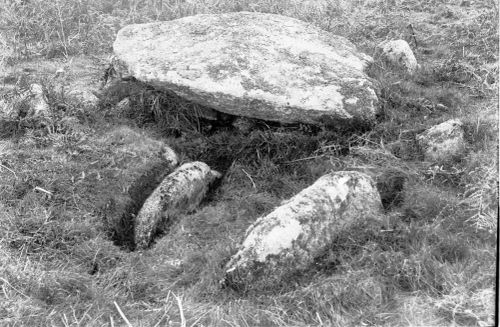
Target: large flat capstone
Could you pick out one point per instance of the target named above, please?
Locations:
(249, 64)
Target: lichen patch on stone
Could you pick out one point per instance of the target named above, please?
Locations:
(277, 239)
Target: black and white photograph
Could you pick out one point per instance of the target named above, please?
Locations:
(249, 163)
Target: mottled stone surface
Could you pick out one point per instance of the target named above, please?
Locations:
(295, 233)
(5, 109)
(249, 64)
(84, 96)
(443, 142)
(5, 50)
(398, 54)
(122, 107)
(39, 106)
(180, 192)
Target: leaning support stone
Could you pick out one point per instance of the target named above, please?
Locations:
(180, 192)
(292, 236)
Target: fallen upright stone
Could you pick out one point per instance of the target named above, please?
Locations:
(249, 64)
(294, 234)
(180, 192)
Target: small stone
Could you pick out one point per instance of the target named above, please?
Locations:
(443, 142)
(170, 156)
(5, 109)
(244, 125)
(60, 72)
(38, 102)
(398, 54)
(121, 107)
(84, 96)
(6, 51)
(441, 107)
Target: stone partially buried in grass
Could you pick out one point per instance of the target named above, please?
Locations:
(122, 107)
(84, 96)
(294, 234)
(443, 142)
(249, 64)
(38, 103)
(180, 192)
(398, 54)
(5, 109)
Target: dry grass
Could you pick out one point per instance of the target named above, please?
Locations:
(69, 190)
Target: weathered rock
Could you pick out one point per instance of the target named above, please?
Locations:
(180, 192)
(251, 64)
(39, 106)
(85, 96)
(5, 109)
(78, 91)
(5, 51)
(60, 72)
(124, 105)
(121, 107)
(169, 155)
(296, 233)
(398, 54)
(443, 142)
(243, 125)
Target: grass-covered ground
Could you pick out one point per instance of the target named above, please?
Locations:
(69, 187)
